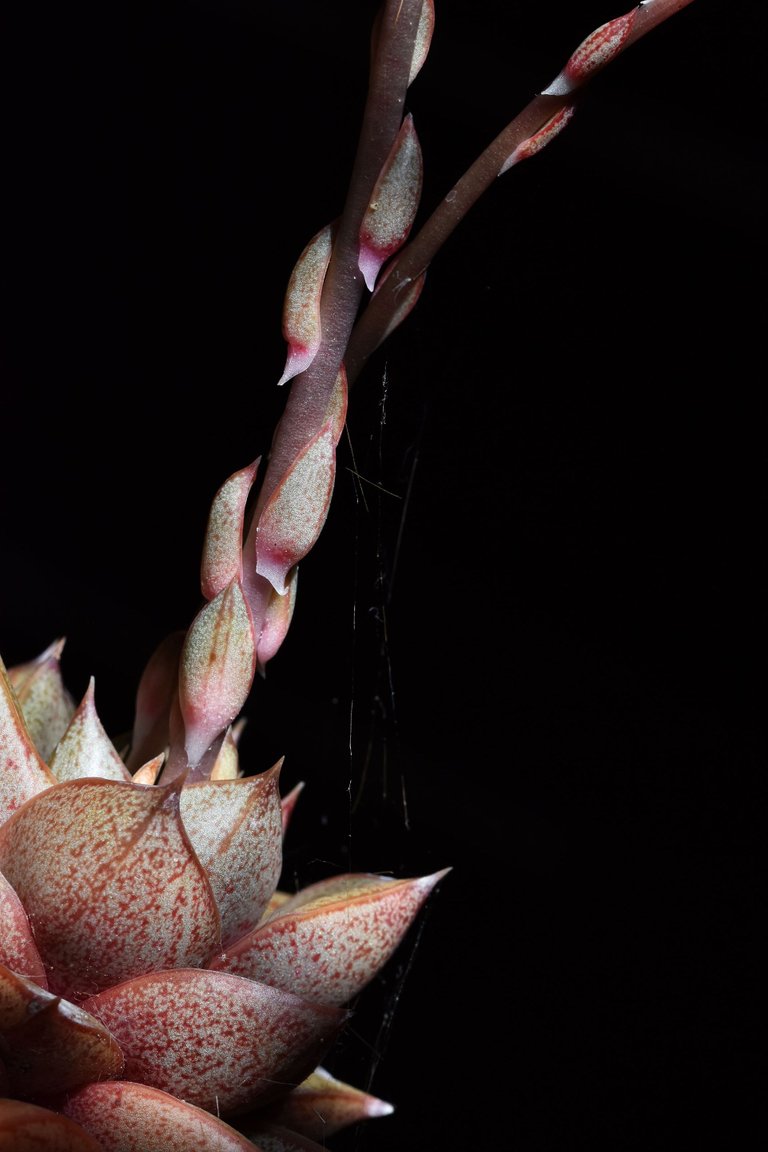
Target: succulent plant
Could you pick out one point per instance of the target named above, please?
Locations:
(157, 987)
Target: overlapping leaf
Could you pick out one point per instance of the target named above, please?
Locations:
(216, 1040)
(108, 876)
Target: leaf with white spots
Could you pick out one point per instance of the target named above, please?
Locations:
(395, 200)
(23, 772)
(330, 940)
(45, 702)
(48, 1044)
(129, 1117)
(111, 884)
(296, 511)
(301, 306)
(215, 1040)
(223, 545)
(236, 830)
(276, 1138)
(218, 664)
(85, 749)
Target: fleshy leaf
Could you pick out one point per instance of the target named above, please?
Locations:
(218, 664)
(128, 1117)
(296, 511)
(301, 306)
(18, 950)
(158, 689)
(318, 1108)
(26, 1127)
(85, 749)
(45, 702)
(534, 144)
(390, 215)
(23, 772)
(592, 55)
(227, 763)
(223, 546)
(49, 1045)
(236, 830)
(215, 1040)
(110, 881)
(276, 1138)
(277, 619)
(329, 940)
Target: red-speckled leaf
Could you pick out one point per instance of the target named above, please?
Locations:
(218, 664)
(389, 217)
(158, 688)
(128, 1117)
(331, 939)
(215, 1040)
(301, 306)
(23, 772)
(27, 1127)
(49, 1045)
(223, 545)
(236, 830)
(293, 517)
(85, 749)
(45, 702)
(318, 1108)
(110, 882)
(18, 950)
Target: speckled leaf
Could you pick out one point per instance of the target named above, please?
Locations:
(45, 702)
(23, 772)
(275, 1138)
(301, 305)
(215, 1040)
(389, 217)
(218, 664)
(318, 1108)
(223, 545)
(28, 1127)
(85, 749)
(49, 1045)
(295, 513)
(110, 882)
(18, 950)
(331, 939)
(236, 830)
(128, 1117)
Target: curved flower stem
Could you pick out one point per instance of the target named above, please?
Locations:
(344, 284)
(533, 122)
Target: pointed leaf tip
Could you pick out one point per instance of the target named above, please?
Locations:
(108, 877)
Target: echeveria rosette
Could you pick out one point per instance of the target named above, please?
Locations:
(153, 977)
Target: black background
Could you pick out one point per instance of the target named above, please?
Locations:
(537, 656)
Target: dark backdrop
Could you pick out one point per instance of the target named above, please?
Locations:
(535, 652)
